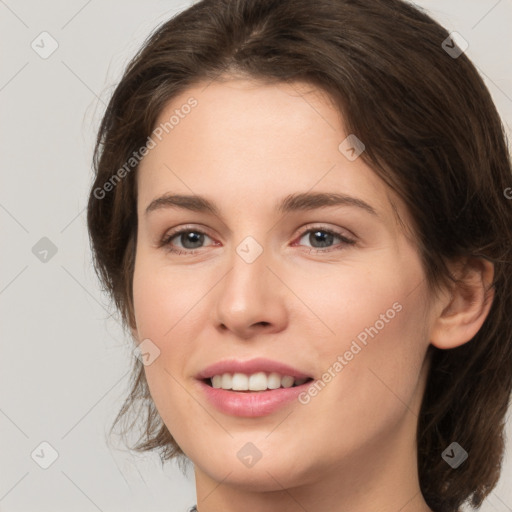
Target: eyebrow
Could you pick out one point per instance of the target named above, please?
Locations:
(294, 202)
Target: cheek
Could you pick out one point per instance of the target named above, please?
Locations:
(378, 348)
(168, 311)
(163, 298)
(369, 315)
(378, 303)
(163, 305)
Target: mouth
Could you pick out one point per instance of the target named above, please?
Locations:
(252, 388)
(256, 383)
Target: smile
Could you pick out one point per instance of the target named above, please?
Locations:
(259, 381)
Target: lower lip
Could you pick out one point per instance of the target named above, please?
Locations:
(251, 405)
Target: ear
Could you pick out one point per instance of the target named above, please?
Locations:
(463, 310)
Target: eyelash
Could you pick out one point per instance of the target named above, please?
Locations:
(165, 242)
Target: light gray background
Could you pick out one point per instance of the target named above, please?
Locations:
(64, 364)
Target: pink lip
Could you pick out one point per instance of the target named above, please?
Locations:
(251, 404)
(249, 367)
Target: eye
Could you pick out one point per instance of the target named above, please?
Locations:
(321, 237)
(189, 239)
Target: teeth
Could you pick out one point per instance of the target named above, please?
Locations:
(240, 382)
(287, 381)
(225, 381)
(256, 382)
(274, 381)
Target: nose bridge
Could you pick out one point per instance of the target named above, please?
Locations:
(248, 276)
(246, 296)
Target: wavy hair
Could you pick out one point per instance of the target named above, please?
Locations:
(432, 133)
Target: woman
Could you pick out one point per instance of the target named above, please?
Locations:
(299, 211)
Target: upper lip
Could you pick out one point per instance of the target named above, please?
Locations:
(250, 367)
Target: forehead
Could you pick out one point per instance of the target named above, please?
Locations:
(247, 139)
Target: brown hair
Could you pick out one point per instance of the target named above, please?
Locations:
(431, 132)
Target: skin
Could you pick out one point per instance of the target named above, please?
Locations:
(245, 146)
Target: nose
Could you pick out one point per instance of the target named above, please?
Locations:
(250, 299)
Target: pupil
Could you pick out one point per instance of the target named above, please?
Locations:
(198, 238)
(189, 237)
(327, 238)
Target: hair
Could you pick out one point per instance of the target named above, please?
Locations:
(431, 132)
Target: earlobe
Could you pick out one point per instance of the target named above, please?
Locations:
(464, 310)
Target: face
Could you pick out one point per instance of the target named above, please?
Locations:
(336, 291)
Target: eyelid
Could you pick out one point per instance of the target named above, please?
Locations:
(346, 239)
(342, 232)
(168, 235)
